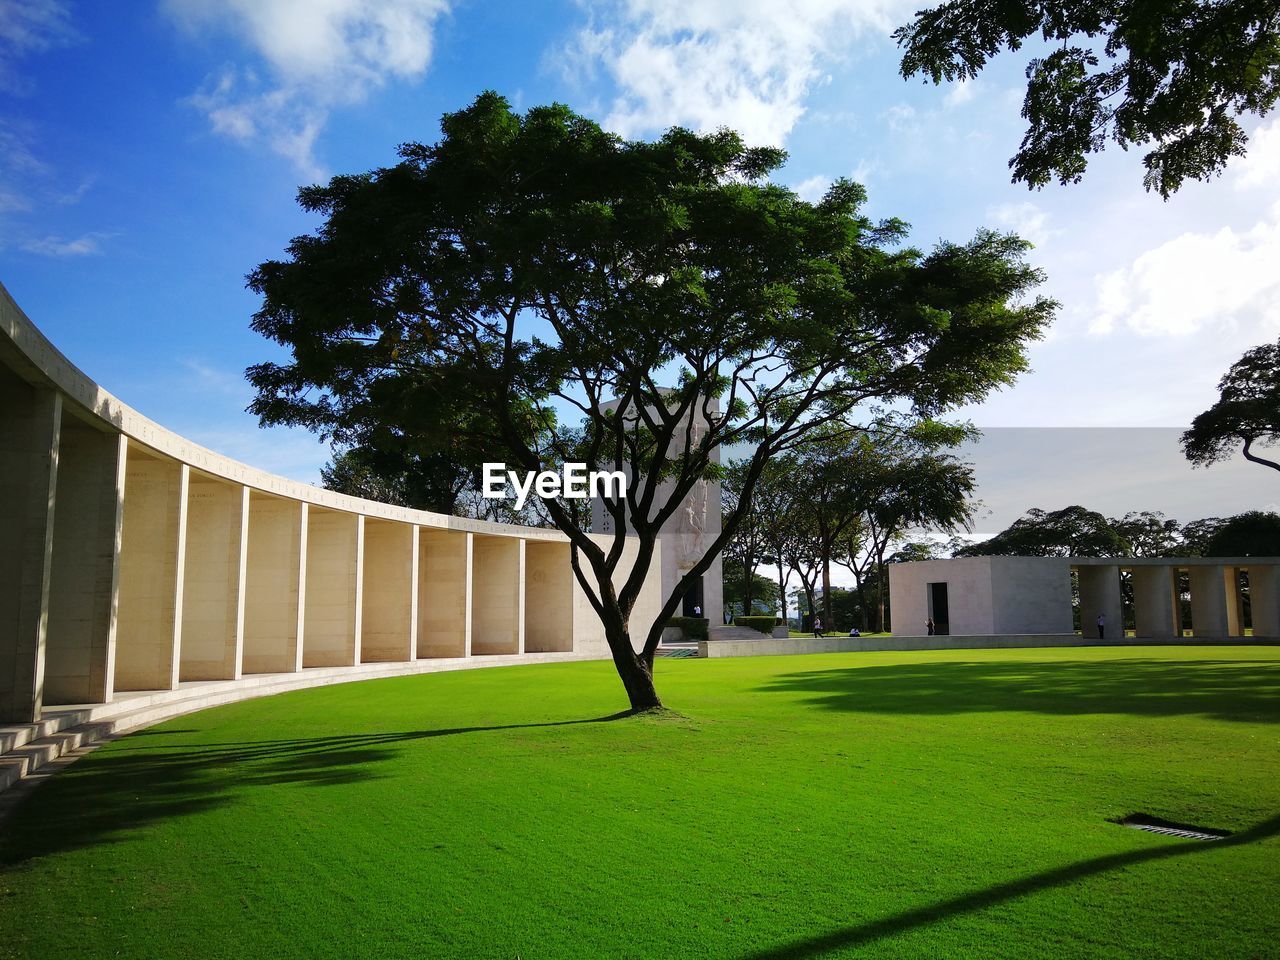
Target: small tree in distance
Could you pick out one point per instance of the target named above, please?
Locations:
(553, 293)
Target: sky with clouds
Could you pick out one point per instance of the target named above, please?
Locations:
(150, 153)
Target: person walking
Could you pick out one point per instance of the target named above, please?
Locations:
(1102, 626)
(817, 626)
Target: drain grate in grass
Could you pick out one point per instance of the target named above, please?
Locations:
(1142, 821)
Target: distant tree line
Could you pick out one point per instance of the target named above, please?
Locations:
(1077, 532)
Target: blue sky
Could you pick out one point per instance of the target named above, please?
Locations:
(150, 151)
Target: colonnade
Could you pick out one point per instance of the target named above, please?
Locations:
(1217, 603)
(134, 560)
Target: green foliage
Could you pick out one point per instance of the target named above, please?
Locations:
(1174, 77)
(694, 628)
(764, 625)
(1078, 532)
(1149, 533)
(432, 481)
(1069, 532)
(1255, 533)
(1247, 412)
(764, 592)
(482, 814)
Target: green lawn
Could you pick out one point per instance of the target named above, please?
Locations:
(931, 805)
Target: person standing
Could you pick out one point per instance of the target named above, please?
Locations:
(1102, 626)
(929, 626)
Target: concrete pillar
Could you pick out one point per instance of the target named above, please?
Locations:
(152, 558)
(84, 574)
(273, 585)
(548, 610)
(1155, 602)
(1100, 594)
(331, 630)
(1264, 599)
(212, 601)
(1208, 600)
(495, 599)
(444, 597)
(30, 422)
(1234, 601)
(388, 624)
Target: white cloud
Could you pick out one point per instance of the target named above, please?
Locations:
(901, 118)
(87, 245)
(1225, 281)
(30, 26)
(317, 55)
(961, 92)
(812, 188)
(1025, 219)
(1260, 166)
(743, 64)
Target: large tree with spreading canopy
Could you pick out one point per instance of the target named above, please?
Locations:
(549, 292)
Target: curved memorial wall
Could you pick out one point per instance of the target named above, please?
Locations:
(133, 560)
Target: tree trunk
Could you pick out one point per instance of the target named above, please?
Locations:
(828, 621)
(880, 591)
(782, 592)
(636, 673)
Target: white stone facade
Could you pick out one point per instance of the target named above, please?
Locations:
(1009, 596)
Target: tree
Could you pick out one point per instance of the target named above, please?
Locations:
(1149, 533)
(1254, 533)
(1247, 412)
(432, 482)
(913, 485)
(1069, 532)
(548, 292)
(1175, 76)
(764, 594)
(744, 550)
(780, 512)
(1198, 534)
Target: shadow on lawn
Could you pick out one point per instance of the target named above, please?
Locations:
(138, 782)
(1223, 689)
(865, 933)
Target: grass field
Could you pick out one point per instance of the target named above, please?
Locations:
(930, 805)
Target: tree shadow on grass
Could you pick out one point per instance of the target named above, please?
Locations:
(1222, 689)
(137, 783)
(866, 933)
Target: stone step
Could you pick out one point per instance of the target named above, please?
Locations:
(23, 761)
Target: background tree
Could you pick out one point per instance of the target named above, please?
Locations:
(744, 549)
(1247, 412)
(542, 290)
(427, 482)
(781, 513)
(824, 478)
(1069, 532)
(902, 481)
(1149, 533)
(1197, 535)
(1254, 533)
(1174, 76)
